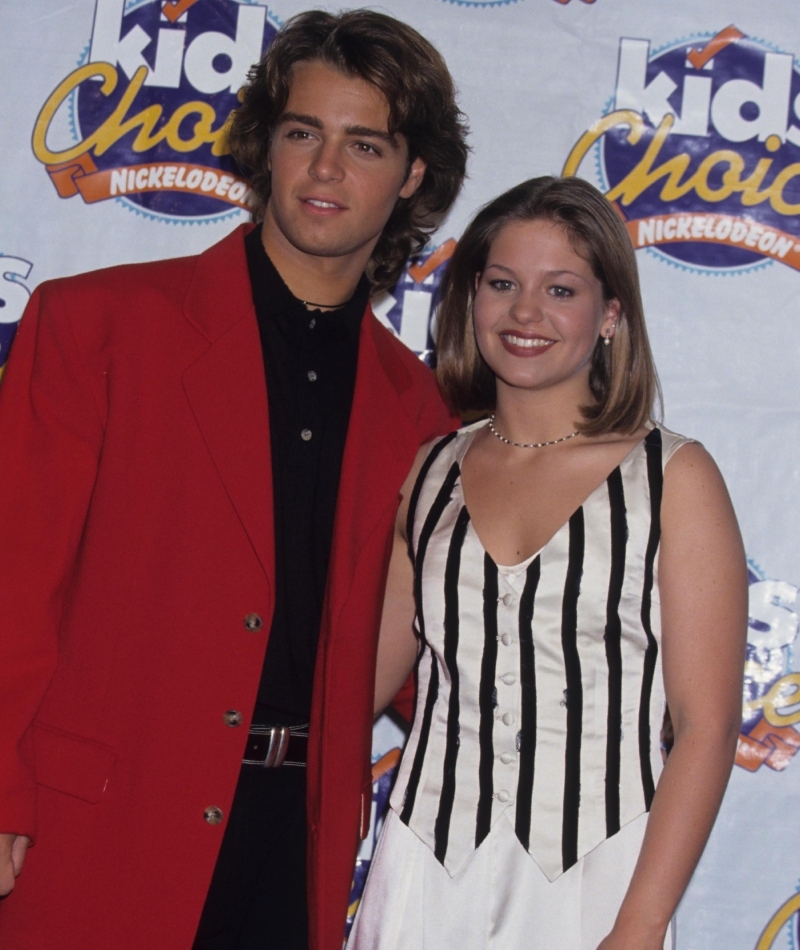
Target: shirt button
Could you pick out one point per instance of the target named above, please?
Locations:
(305, 435)
(252, 622)
(312, 376)
(503, 796)
(213, 815)
(508, 719)
(509, 679)
(232, 717)
(508, 599)
(507, 758)
(312, 323)
(506, 639)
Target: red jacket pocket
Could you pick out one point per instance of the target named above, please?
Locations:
(71, 764)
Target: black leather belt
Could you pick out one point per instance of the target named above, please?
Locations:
(273, 746)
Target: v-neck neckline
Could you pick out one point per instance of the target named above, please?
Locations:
(526, 562)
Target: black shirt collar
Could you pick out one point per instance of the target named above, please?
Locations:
(272, 296)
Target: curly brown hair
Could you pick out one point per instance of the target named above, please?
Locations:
(413, 77)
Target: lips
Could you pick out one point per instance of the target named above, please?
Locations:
(526, 345)
(319, 205)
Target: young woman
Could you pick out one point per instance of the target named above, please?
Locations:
(560, 571)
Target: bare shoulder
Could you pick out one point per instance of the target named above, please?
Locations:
(692, 471)
(696, 504)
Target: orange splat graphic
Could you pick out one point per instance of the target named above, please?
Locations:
(773, 746)
(174, 9)
(699, 57)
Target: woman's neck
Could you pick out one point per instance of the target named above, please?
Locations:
(530, 416)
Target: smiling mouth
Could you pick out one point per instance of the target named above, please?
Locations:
(322, 205)
(526, 342)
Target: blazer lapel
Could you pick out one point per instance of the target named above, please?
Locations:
(379, 450)
(227, 390)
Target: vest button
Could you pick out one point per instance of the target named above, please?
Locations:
(232, 717)
(213, 815)
(509, 679)
(503, 796)
(506, 639)
(507, 758)
(508, 599)
(252, 622)
(508, 719)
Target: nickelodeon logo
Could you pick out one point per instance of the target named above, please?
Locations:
(150, 106)
(701, 150)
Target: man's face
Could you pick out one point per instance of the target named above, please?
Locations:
(336, 171)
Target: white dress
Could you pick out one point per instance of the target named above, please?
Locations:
(522, 796)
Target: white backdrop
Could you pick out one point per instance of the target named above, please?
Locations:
(717, 188)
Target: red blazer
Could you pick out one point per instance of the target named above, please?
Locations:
(136, 536)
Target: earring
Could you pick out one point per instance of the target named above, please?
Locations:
(607, 341)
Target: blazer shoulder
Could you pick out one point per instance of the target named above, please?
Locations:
(415, 384)
(168, 277)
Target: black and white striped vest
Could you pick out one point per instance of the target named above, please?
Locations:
(540, 695)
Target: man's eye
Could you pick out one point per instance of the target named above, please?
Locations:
(501, 285)
(299, 134)
(366, 148)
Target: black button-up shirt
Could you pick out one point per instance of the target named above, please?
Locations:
(310, 361)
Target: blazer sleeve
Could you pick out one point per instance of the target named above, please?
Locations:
(51, 433)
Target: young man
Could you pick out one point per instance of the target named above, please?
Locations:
(204, 458)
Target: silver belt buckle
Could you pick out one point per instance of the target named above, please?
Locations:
(278, 746)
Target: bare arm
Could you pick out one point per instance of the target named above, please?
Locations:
(397, 643)
(703, 586)
(12, 857)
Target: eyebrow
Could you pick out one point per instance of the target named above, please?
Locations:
(551, 273)
(361, 131)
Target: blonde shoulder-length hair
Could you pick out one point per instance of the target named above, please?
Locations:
(622, 377)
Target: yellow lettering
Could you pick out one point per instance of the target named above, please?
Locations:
(784, 693)
(782, 917)
(202, 131)
(749, 187)
(120, 123)
(597, 131)
(110, 77)
(636, 182)
(776, 190)
(647, 173)
(730, 178)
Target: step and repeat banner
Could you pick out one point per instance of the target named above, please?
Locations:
(686, 115)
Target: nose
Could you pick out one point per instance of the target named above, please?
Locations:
(326, 164)
(526, 307)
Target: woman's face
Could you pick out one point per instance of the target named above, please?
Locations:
(539, 309)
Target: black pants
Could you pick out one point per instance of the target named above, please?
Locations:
(257, 898)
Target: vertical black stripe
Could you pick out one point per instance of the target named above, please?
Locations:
(436, 510)
(574, 693)
(414, 500)
(486, 694)
(526, 741)
(410, 795)
(655, 479)
(613, 638)
(451, 631)
(432, 519)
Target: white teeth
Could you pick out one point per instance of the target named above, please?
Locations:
(526, 342)
(321, 204)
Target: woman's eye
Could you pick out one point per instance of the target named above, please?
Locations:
(501, 285)
(560, 291)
